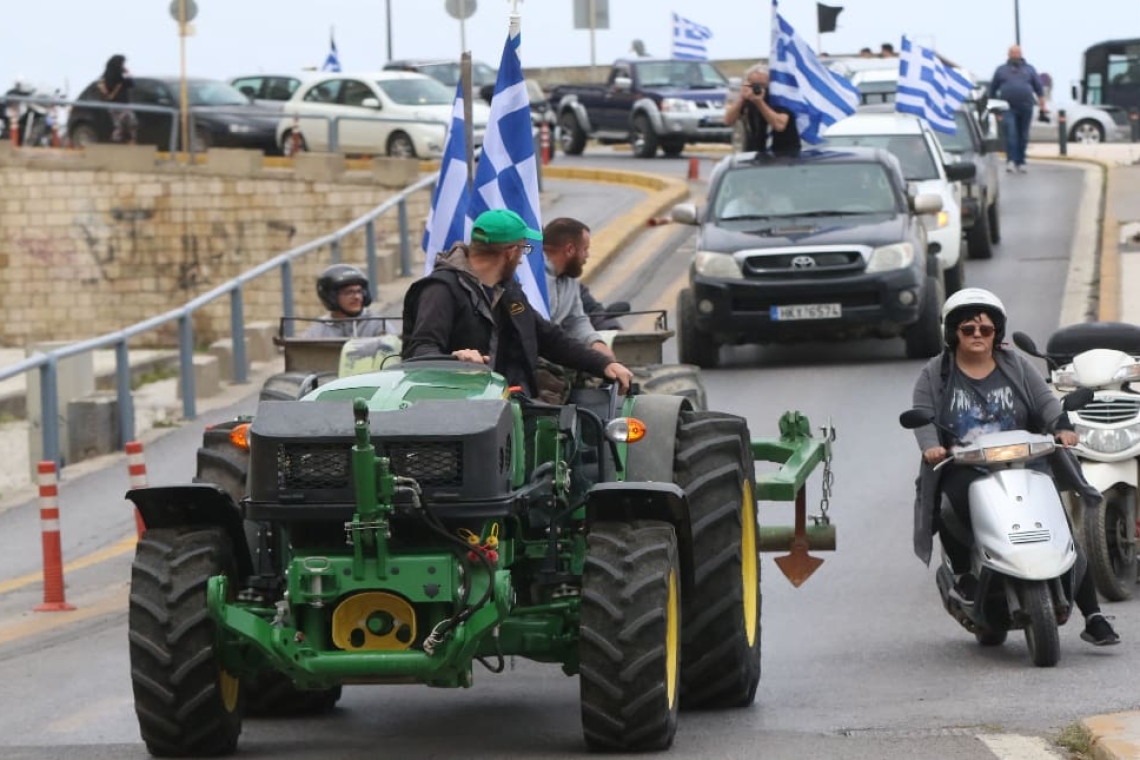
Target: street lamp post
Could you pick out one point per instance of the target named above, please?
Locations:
(388, 9)
(1016, 22)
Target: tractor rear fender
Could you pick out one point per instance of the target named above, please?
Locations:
(625, 502)
(194, 505)
(651, 458)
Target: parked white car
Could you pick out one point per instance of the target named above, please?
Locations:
(926, 168)
(1085, 124)
(391, 113)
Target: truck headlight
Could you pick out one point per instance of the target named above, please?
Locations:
(1108, 440)
(942, 219)
(888, 257)
(720, 265)
(676, 105)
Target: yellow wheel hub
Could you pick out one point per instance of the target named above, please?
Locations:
(230, 688)
(374, 621)
(749, 564)
(672, 641)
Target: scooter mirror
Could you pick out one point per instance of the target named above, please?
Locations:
(1079, 398)
(912, 419)
(1025, 343)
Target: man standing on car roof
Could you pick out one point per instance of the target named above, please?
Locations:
(1017, 83)
(760, 118)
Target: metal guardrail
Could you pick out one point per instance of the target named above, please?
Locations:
(47, 363)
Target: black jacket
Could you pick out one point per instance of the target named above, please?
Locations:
(449, 310)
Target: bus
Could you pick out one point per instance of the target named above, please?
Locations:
(1110, 75)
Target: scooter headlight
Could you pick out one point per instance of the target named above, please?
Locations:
(1108, 440)
(1007, 453)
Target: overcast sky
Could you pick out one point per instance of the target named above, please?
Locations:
(71, 39)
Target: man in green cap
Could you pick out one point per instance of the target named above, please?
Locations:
(471, 307)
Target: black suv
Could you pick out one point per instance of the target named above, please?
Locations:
(826, 244)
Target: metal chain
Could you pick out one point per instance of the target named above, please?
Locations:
(828, 477)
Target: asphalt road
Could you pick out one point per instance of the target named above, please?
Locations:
(860, 662)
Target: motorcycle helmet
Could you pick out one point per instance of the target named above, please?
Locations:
(336, 277)
(967, 303)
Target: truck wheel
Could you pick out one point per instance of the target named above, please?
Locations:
(954, 278)
(720, 634)
(271, 695)
(629, 647)
(978, 241)
(571, 136)
(995, 222)
(1041, 634)
(1110, 543)
(643, 138)
(671, 146)
(693, 346)
(185, 700)
(672, 380)
(290, 386)
(924, 337)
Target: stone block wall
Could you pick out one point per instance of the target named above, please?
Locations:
(86, 250)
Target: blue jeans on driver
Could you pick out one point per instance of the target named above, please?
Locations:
(1016, 124)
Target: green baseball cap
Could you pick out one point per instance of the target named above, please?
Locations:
(500, 225)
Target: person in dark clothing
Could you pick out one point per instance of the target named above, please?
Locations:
(596, 311)
(472, 308)
(115, 86)
(760, 118)
(975, 387)
(1017, 83)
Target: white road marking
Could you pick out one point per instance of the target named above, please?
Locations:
(1014, 747)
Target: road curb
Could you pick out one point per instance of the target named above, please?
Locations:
(1113, 738)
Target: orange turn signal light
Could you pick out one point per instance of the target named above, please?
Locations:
(626, 429)
(239, 436)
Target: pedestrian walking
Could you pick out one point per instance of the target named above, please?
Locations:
(1017, 83)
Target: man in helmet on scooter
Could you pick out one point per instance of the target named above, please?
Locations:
(975, 386)
(343, 289)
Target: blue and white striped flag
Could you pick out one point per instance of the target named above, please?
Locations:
(447, 221)
(817, 96)
(689, 39)
(928, 88)
(332, 60)
(507, 174)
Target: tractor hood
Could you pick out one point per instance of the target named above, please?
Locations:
(407, 384)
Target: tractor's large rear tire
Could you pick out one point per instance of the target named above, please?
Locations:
(223, 463)
(720, 662)
(672, 380)
(630, 641)
(272, 695)
(186, 702)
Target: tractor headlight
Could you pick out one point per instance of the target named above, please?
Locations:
(720, 265)
(888, 257)
(1108, 440)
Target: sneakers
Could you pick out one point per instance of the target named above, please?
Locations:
(1021, 169)
(1009, 167)
(1098, 631)
(965, 586)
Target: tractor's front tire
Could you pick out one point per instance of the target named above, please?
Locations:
(186, 702)
(629, 646)
(720, 662)
(272, 695)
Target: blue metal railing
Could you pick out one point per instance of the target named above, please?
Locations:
(48, 363)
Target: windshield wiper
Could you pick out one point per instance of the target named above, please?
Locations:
(833, 213)
(742, 217)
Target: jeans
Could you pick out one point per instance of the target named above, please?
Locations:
(1016, 124)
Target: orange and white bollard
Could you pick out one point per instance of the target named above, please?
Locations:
(694, 168)
(136, 468)
(14, 126)
(55, 127)
(544, 141)
(54, 600)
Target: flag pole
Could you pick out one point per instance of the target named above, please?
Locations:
(468, 127)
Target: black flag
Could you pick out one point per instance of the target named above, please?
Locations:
(827, 16)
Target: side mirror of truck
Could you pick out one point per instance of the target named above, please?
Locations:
(961, 171)
(926, 203)
(685, 213)
(623, 84)
(993, 145)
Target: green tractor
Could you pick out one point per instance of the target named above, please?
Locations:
(404, 525)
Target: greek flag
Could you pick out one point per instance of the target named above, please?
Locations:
(929, 89)
(447, 221)
(689, 39)
(799, 82)
(332, 60)
(507, 174)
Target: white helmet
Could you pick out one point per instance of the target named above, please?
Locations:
(971, 301)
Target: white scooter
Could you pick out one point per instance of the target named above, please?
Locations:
(1021, 549)
(1102, 356)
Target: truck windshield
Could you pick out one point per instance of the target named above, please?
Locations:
(805, 189)
(682, 74)
(959, 142)
(911, 151)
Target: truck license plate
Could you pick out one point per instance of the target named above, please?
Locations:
(806, 311)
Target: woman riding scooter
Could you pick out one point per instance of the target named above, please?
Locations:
(975, 386)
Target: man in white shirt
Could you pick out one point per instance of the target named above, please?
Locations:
(566, 244)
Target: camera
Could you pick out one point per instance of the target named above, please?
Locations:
(757, 89)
